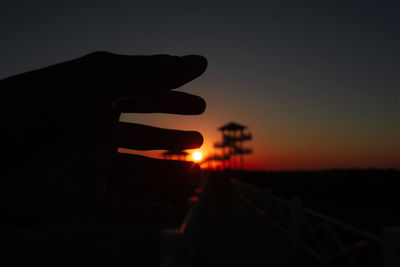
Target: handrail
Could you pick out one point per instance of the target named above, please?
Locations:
(314, 213)
(178, 244)
(290, 218)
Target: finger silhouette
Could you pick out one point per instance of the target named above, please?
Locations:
(157, 71)
(131, 165)
(172, 102)
(160, 180)
(122, 75)
(143, 137)
(107, 77)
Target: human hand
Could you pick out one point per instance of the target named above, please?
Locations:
(61, 133)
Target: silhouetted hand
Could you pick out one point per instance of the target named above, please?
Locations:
(60, 134)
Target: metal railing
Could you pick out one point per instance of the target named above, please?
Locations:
(330, 241)
(179, 246)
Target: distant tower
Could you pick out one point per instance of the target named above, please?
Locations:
(233, 136)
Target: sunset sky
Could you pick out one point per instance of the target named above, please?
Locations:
(316, 82)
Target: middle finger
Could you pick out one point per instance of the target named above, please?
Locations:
(143, 137)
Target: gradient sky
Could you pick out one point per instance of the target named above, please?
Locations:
(317, 82)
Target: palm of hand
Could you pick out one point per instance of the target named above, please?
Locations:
(64, 131)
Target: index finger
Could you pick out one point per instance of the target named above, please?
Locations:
(104, 77)
(123, 76)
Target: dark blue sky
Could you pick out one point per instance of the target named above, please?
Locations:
(316, 81)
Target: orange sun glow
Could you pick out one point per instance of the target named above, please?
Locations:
(197, 156)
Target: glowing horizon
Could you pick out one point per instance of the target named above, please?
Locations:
(317, 85)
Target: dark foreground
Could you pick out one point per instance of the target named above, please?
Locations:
(232, 234)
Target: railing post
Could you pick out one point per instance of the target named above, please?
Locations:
(191, 233)
(391, 246)
(171, 248)
(295, 229)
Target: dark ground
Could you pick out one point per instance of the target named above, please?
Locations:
(240, 237)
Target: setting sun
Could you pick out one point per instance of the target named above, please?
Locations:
(197, 156)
